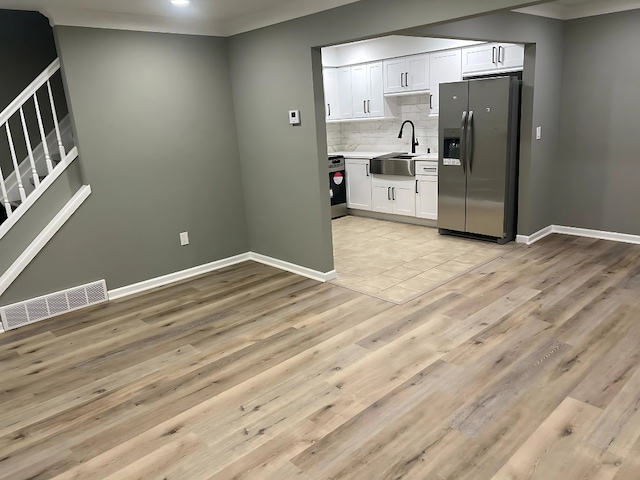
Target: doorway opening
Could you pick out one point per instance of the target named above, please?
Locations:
(385, 120)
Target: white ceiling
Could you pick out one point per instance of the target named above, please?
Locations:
(229, 17)
(206, 17)
(570, 9)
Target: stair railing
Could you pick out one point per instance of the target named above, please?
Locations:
(18, 106)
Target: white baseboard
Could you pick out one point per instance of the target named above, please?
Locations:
(217, 265)
(578, 232)
(43, 238)
(599, 234)
(293, 268)
(539, 235)
(176, 276)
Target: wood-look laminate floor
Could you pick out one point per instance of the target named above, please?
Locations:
(528, 367)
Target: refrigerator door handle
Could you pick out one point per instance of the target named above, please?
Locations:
(470, 141)
(463, 142)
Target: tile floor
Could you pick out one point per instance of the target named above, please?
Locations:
(397, 262)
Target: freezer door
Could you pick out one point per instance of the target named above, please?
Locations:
(454, 103)
(487, 155)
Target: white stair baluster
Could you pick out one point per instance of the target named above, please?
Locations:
(27, 140)
(5, 197)
(43, 136)
(16, 167)
(55, 121)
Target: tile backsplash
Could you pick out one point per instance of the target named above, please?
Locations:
(382, 135)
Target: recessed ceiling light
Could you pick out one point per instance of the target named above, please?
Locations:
(180, 3)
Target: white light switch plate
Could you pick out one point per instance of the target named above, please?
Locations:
(184, 238)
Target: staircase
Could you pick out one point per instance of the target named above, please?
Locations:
(48, 153)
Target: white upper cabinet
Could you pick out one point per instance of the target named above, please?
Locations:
(337, 93)
(360, 90)
(406, 74)
(394, 71)
(417, 77)
(367, 90)
(492, 58)
(511, 55)
(330, 77)
(344, 102)
(479, 58)
(446, 66)
(376, 105)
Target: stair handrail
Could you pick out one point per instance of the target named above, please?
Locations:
(28, 92)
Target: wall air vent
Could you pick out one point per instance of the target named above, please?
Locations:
(42, 308)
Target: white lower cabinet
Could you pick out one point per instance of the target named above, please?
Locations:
(358, 184)
(394, 195)
(381, 198)
(427, 197)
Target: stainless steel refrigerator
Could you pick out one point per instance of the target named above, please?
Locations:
(478, 157)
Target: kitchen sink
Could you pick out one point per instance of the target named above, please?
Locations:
(397, 163)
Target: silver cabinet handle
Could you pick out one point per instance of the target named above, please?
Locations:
(493, 55)
(393, 193)
(406, 79)
(417, 185)
(388, 193)
(329, 107)
(368, 106)
(364, 107)
(430, 102)
(500, 54)
(367, 165)
(402, 79)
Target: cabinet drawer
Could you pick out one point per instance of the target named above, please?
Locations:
(426, 167)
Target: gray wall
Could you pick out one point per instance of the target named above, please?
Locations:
(598, 162)
(156, 133)
(275, 69)
(27, 47)
(542, 91)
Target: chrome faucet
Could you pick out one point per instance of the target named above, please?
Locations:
(414, 140)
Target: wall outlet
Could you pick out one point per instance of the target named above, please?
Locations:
(538, 133)
(184, 239)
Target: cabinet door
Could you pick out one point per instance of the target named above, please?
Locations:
(330, 76)
(445, 67)
(375, 103)
(404, 199)
(427, 198)
(360, 90)
(381, 198)
(417, 72)
(345, 104)
(479, 58)
(511, 56)
(394, 71)
(358, 184)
